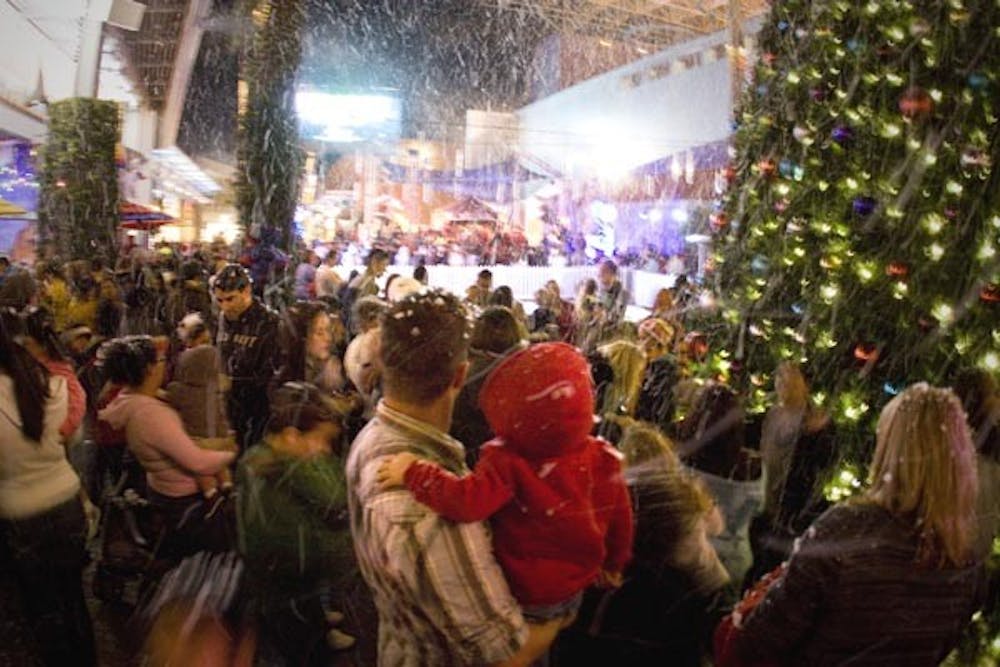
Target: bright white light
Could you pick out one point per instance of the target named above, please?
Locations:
(343, 118)
(679, 215)
(655, 215)
(605, 212)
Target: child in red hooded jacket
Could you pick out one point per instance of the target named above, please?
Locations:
(559, 505)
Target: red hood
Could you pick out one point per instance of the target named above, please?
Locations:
(540, 401)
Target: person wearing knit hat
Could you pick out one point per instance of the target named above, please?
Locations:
(560, 510)
(656, 402)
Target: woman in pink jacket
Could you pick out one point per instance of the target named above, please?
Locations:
(157, 439)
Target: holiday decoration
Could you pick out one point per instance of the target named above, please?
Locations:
(889, 110)
(866, 352)
(897, 269)
(863, 206)
(842, 134)
(718, 220)
(915, 102)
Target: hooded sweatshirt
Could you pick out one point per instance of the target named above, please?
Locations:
(156, 436)
(558, 501)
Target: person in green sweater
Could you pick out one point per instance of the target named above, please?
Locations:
(293, 529)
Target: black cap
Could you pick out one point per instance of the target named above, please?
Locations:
(232, 278)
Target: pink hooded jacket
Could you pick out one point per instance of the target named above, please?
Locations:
(157, 438)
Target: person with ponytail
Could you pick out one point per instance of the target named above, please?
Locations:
(37, 334)
(42, 524)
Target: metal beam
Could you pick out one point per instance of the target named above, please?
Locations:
(183, 63)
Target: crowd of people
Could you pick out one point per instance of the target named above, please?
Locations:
(501, 487)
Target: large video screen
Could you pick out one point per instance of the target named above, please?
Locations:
(348, 118)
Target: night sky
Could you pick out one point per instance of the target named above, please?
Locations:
(443, 56)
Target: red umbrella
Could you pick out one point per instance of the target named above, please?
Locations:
(137, 216)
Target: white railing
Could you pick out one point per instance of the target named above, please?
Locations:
(524, 281)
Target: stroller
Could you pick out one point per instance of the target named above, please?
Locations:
(127, 567)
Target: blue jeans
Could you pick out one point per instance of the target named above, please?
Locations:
(551, 612)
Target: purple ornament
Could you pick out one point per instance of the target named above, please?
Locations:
(817, 94)
(863, 206)
(842, 134)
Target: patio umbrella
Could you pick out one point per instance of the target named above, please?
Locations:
(10, 210)
(137, 216)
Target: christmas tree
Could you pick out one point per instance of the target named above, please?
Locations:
(861, 227)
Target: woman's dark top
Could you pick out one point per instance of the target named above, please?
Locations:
(855, 594)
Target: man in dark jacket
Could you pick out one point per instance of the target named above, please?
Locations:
(248, 342)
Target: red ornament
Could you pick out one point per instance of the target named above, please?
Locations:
(990, 293)
(719, 221)
(730, 174)
(915, 102)
(927, 323)
(696, 345)
(897, 270)
(780, 206)
(769, 58)
(866, 352)
(767, 168)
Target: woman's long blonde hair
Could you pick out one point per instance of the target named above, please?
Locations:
(628, 363)
(925, 470)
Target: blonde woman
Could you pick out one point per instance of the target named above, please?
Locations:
(798, 449)
(889, 578)
(620, 366)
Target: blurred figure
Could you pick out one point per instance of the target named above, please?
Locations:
(361, 357)
(673, 592)
(328, 281)
(495, 334)
(294, 535)
(305, 277)
(798, 450)
(712, 436)
(612, 297)
(478, 294)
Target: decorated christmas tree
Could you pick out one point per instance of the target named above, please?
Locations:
(860, 234)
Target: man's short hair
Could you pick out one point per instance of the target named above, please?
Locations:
(610, 266)
(425, 338)
(486, 273)
(232, 278)
(375, 255)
